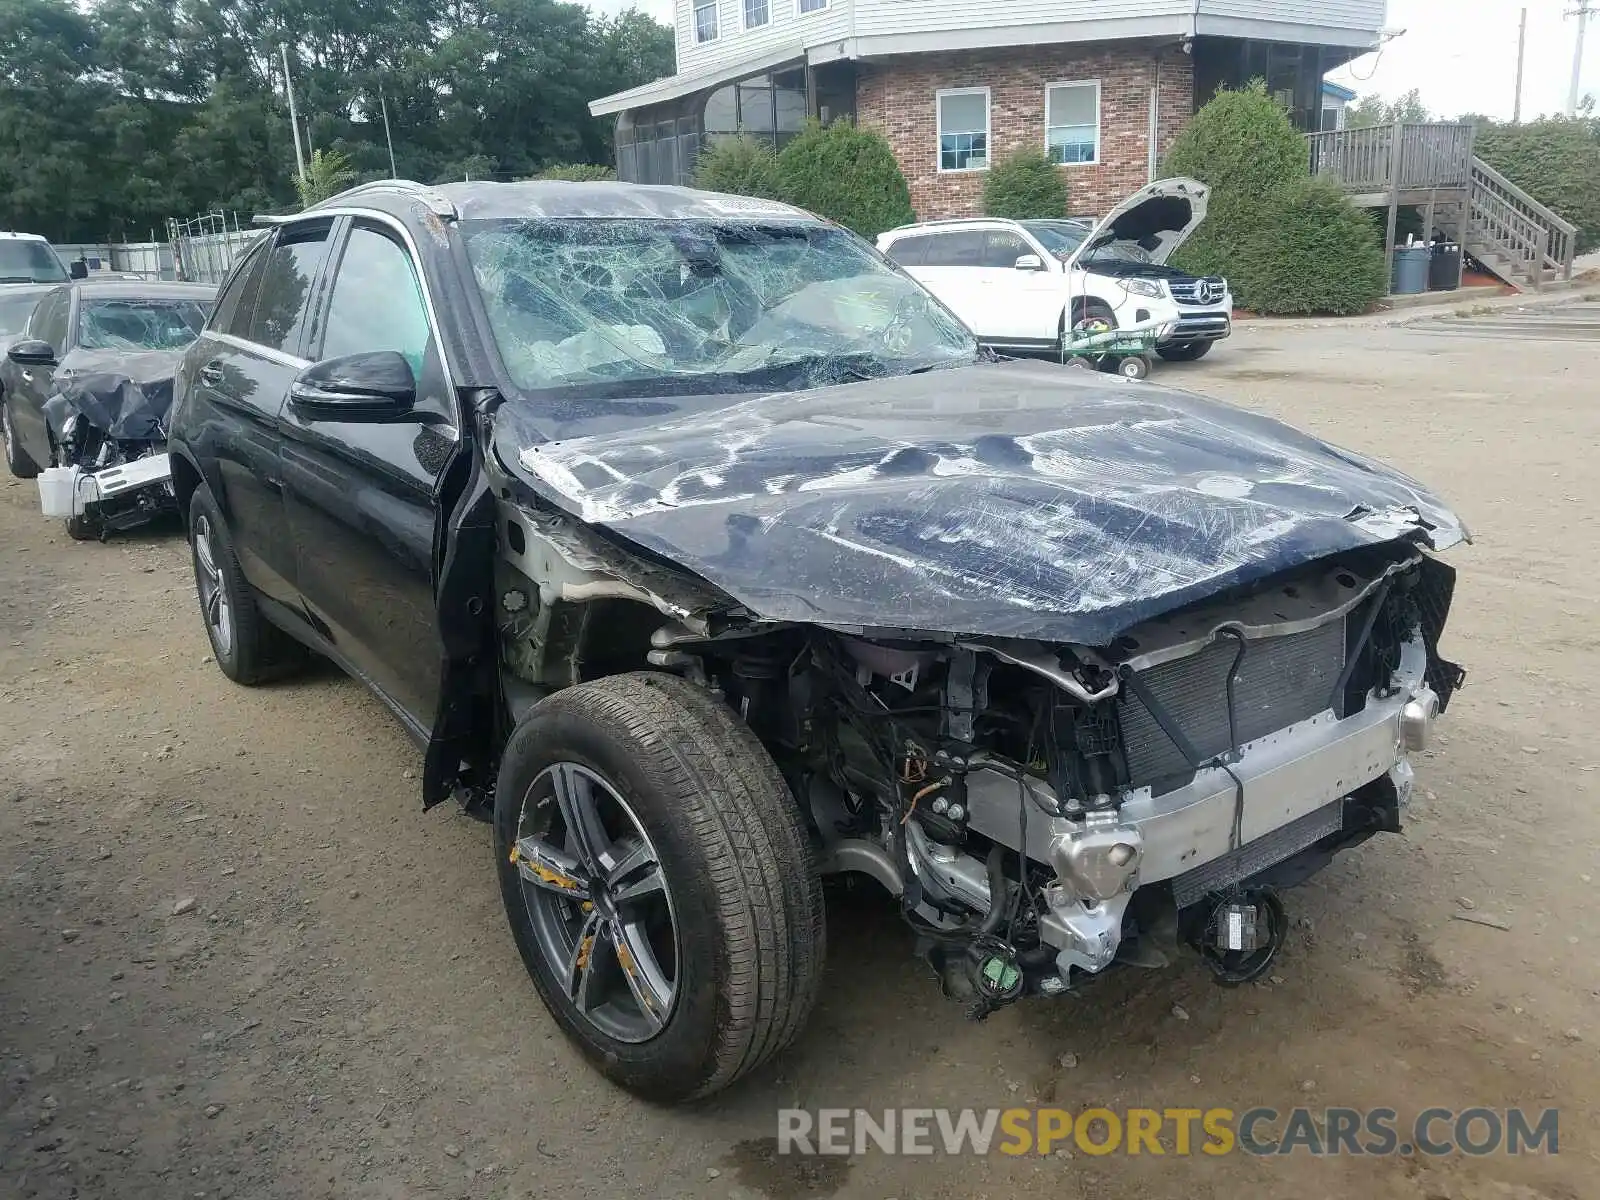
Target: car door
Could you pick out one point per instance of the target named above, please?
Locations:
(360, 493)
(1021, 306)
(237, 378)
(951, 268)
(29, 385)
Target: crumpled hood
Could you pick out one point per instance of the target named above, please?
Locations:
(1010, 500)
(127, 394)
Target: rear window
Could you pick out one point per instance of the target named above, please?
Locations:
(907, 251)
(23, 260)
(965, 248)
(135, 324)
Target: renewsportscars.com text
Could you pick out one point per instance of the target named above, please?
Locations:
(1175, 1131)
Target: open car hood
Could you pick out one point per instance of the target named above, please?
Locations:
(1158, 218)
(1009, 500)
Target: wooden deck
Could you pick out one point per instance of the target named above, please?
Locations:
(1374, 164)
(1432, 167)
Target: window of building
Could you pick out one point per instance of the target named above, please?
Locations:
(811, 6)
(1072, 122)
(757, 13)
(1332, 117)
(964, 129)
(705, 20)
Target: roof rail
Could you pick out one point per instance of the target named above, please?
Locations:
(437, 203)
(949, 221)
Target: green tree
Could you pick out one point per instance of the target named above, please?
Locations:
(577, 173)
(740, 166)
(848, 175)
(328, 172)
(1314, 253)
(1025, 186)
(1375, 110)
(1243, 145)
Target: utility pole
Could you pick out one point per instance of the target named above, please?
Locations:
(294, 116)
(1582, 13)
(384, 104)
(1522, 45)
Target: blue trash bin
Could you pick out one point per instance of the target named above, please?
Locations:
(1410, 270)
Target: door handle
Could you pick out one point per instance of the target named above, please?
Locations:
(211, 373)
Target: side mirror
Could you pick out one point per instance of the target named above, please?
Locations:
(376, 386)
(32, 353)
(1029, 262)
(78, 269)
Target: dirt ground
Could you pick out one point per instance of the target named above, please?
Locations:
(340, 1011)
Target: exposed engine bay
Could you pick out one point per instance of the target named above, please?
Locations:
(1042, 811)
(107, 423)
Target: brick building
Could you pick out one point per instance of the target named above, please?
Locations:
(1102, 86)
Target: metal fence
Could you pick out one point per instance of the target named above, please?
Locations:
(203, 248)
(152, 260)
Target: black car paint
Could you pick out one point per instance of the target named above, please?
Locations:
(333, 516)
(390, 568)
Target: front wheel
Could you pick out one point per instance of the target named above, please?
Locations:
(17, 460)
(1185, 351)
(660, 883)
(247, 648)
(84, 528)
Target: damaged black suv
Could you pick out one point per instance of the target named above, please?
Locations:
(709, 555)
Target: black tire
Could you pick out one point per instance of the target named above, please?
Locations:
(84, 528)
(1185, 351)
(736, 858)
(17, 460)
(255, 650)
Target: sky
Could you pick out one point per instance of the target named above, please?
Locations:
(1461, 54)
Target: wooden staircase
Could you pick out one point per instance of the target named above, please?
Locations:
(1432, 167)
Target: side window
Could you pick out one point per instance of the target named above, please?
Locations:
(286, 277)
(907, 251)
(377, 301)
(1002, 248)
(49, 320)
(963, 249)
(226, 317)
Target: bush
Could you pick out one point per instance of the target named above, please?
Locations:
(1557, 161)
(1026, 186)
(740, 166)
(577, 173)
(1314, 252)
(848, 175)
(1243, 145)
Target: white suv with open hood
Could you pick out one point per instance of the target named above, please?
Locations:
(1020, 284)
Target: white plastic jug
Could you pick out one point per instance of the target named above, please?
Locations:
(64, 491)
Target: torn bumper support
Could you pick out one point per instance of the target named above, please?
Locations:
(74, 492)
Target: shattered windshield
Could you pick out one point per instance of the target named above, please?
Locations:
(606, 301)
(129, 324)
(23, 260)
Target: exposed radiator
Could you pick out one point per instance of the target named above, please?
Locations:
(1281, 680)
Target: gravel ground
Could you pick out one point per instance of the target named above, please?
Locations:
(238, 960)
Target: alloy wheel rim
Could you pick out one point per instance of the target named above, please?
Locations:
(213, 596)
(598, 901)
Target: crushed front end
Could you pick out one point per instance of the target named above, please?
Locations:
(1043, 811)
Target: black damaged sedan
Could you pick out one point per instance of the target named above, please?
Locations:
(707, 556)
